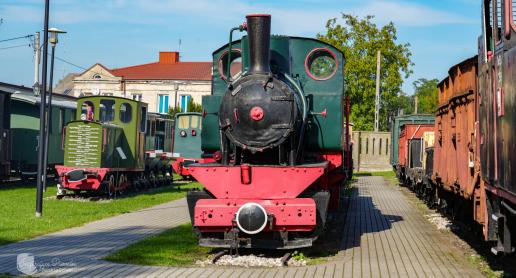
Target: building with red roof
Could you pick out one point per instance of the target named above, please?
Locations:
(164, 84)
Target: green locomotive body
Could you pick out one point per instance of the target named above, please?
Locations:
(105, 147)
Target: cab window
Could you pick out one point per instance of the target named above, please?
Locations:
(183, 122)
(143, 118)
(125, 113)
(499, 20)
(194, 122)
(87, 111)
(107, 110)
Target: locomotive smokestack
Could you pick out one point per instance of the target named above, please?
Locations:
(259, 36)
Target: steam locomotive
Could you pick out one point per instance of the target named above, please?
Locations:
(277, 127)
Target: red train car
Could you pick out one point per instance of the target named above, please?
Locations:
(411, 150)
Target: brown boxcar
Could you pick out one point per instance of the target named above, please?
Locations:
(454, 150)
(456, 165)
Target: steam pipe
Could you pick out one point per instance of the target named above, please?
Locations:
(259, 36)
(230, 49)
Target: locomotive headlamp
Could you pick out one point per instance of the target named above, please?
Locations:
(182, 133)
(251, 218)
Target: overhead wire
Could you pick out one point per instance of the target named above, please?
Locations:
(17, 38)
(78, 66)
(15, 46)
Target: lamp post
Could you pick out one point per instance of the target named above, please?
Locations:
(43, 94)
(54, 32)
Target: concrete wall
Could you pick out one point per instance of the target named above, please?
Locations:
(371, 151)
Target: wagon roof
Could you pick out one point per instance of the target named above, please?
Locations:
(57, 101)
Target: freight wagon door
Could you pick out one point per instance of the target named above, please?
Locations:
(416, 153)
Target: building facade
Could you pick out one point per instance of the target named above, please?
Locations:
(165, 84)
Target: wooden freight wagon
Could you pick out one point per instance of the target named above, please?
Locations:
(454, 152)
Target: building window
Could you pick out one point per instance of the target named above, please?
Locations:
(185, 99)
(137, 97)
(163, 104)
(97, 76)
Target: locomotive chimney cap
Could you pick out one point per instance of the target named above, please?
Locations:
(258, 15)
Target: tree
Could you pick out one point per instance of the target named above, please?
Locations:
(427, 93)
(360, 40)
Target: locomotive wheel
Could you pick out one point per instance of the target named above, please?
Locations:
(122, 183)
(111, 185)
(152, 179)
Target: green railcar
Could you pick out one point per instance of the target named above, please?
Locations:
(187, 143)
(25, 131)
(187, 135)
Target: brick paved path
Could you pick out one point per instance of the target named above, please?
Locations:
(384, 236)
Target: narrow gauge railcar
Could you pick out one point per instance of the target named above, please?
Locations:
(25, 131)
(279, 124)
(397, 123)
(411, 152)
(187, 143)
(159, 142)
(105, 146)
(5, 135)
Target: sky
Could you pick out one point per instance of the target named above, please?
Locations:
(119, 33)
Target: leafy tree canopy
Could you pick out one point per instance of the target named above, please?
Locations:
(360, 39)
(426, 92)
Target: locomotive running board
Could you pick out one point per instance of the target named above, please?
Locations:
(257, 182)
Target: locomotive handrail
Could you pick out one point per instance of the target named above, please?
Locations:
(301, 93)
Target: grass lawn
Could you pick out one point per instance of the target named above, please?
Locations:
(175, 247)
(179, 247)
(17, 209)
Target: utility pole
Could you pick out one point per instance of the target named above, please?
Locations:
(377, 100)
(415, 104)
(37, 56)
